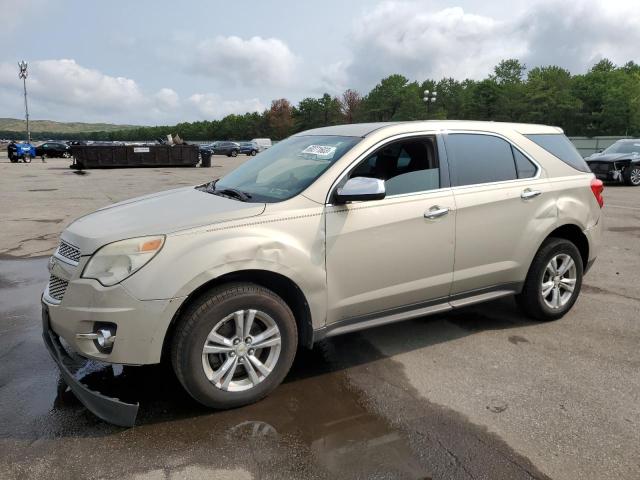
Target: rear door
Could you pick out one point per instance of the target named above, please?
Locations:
(503, 207)
(386, 254)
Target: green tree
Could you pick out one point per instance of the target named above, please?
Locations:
(550, 98)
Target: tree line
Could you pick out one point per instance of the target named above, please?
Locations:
(603, 101)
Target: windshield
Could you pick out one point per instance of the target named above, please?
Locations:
(287, 168)
(624, 147)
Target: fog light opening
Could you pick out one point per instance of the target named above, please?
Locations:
(105, 336)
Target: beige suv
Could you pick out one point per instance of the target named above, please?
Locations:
(330, 231)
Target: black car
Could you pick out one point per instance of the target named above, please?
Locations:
(620, 162)
(230, 149)
(249, 148)
(53, 150)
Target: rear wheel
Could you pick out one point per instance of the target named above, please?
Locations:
(632, 176)
(234, 345)
(66, 155)
(553, 282)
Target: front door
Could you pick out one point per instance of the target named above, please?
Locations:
(398, 251)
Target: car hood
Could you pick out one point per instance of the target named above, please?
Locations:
(158, 213)
(611, 157)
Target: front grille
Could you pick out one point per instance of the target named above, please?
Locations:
(67, 250)
(57, 287)
(600, 167)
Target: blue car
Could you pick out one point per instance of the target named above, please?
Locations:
(249, 148)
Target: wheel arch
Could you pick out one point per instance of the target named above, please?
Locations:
(280, 284)
(575, 235)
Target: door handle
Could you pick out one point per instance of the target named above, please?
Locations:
(436, 212)
(527, 193)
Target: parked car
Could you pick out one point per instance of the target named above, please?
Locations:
(249, 148)
(330, 231)
(230, 149)
(620, 162)
(263, 143)
(53, 150)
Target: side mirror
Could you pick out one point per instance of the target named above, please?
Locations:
(360, 189)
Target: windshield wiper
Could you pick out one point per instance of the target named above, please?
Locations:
(225, 192)
(233, 192)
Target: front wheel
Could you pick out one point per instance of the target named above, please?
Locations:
(553, 282)
(66, 155)
(632, 176)
(234, 153)
(234, 345)
(26, 159)
(253, 153)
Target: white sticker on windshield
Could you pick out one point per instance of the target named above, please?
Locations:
(320, 150)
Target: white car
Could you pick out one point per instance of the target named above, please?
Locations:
(263, 143)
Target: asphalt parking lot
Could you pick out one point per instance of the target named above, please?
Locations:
(482, 393)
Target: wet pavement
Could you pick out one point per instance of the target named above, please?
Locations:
(318, 424)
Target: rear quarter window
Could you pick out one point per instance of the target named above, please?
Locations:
(560, 147)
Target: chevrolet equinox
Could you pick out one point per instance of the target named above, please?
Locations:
(329, 231)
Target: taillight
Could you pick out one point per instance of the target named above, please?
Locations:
(597, 187)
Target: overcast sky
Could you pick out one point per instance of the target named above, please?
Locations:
(154, 62)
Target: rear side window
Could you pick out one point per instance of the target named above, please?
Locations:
(526, 169)
(478, 159)
(561, 147)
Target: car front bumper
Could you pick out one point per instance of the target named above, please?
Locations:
(78, 307)
(108, 409)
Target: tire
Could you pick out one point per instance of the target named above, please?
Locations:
(66, 155)
(234, 153)
(532, 300)
(26, 159)
(253, 153)
(213, 315)
(632, 176)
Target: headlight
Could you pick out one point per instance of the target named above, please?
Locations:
(116, 261)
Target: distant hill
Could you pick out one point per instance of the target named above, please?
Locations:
(15, 125)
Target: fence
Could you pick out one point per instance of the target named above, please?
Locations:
(588, 145)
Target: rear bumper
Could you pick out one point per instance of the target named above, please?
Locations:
(108, 409)
(594, 238)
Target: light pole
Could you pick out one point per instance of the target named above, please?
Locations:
(429, 98)
(23, 74)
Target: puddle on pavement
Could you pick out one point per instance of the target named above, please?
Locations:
(344, 411)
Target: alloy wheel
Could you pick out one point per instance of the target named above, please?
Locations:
(635, 176)
(241, 350)
(559, 281)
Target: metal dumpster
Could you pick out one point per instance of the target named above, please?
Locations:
(110, 156)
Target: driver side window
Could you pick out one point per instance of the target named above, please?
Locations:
(406, 166)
